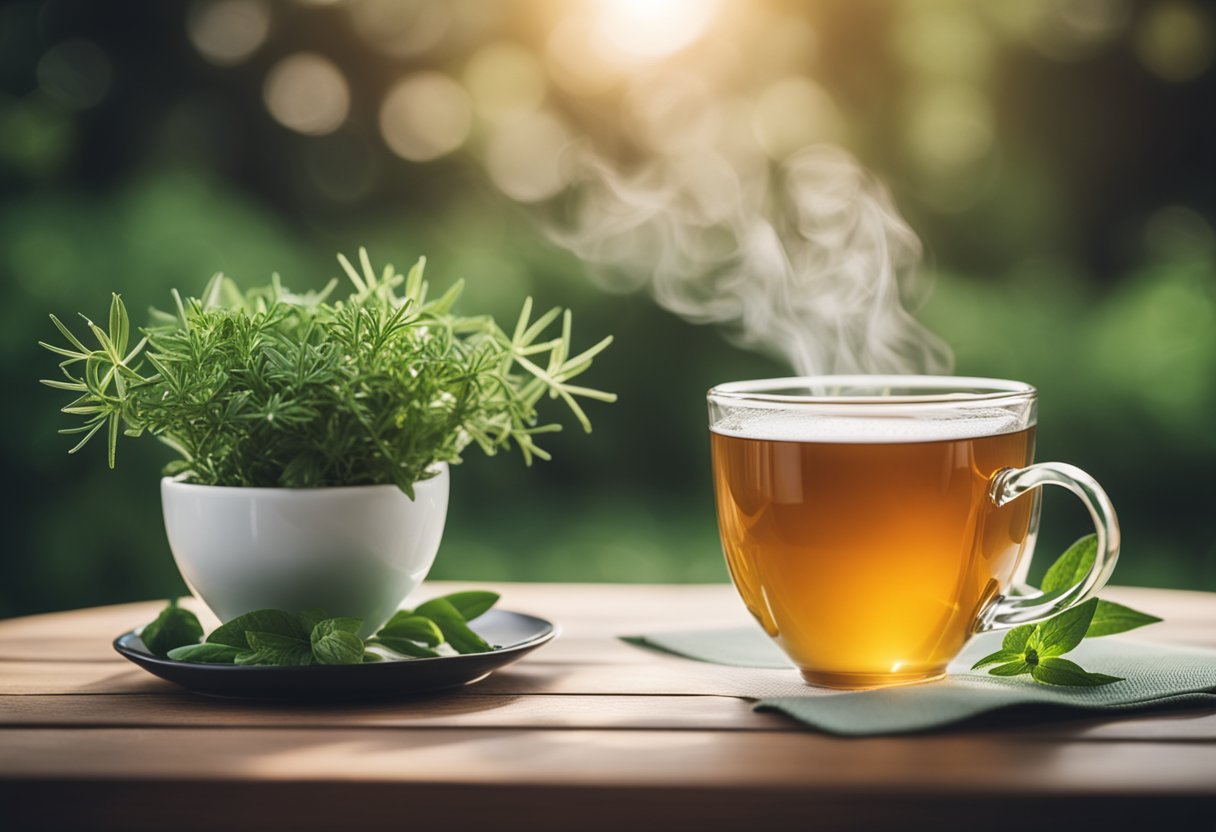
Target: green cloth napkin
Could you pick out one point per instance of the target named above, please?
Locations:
(1155, 675)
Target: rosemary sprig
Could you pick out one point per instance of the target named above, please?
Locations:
(272, 388)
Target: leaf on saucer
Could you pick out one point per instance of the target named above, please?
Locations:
(276, 649)
(404, 646)
(335, 641)
(276, 622)
(206, 653)
(413, 627)
(472, 603)
(455, 631)
(174, 627)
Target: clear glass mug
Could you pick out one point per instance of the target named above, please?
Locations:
(873, 524)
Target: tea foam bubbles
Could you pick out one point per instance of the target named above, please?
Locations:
(854, 426)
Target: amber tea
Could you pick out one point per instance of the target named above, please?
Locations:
(871, 541)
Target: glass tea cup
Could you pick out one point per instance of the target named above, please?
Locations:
(873, 524)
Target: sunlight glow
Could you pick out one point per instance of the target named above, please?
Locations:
(650, 29)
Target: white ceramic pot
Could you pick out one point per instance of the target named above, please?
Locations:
(355, 551)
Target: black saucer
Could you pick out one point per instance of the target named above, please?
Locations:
(516, 633)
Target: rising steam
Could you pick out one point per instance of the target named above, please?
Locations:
(808, 261)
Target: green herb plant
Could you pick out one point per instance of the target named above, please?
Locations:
(289, 639)
(1038, 649)
(271, 388)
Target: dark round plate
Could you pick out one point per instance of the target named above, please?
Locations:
(517, 635)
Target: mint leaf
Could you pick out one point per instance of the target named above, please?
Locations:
(276, 622)
(1072, 566)
(1012, 669)
(174, 627)
(455, 631)
(1057, 671)
(472, 603)
(1015, 640)
(414, 627)
(334, 641)
(404, 646)
(1056, 636)
(276, 649)
(344, 624)
(1110, 618)
(205, 653)
(1000, 656)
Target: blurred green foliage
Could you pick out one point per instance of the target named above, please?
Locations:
(1101, 293)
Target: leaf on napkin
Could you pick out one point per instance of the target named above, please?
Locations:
(1110, 618)
(1057, 671)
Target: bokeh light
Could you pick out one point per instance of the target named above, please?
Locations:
(425, 116)
(944, 40)
(950, 126)
(524, 157)
(307, 93)
(505, 81)
(227, 32)
(1175, 40)
(401, 28)
(75, 74)
(792, 113)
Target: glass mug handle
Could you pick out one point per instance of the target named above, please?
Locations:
(1007, 485)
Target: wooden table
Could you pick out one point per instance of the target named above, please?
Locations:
(588, 733)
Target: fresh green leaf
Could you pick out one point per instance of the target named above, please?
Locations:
(206, 653)
(413, 627)
(472, 603)
(1036, 649)
(370, 657)
(276, 649)
(1011, 669)
(1072, 566)
(999, 657)
(455, 631)
(404, 646)
(276, 622)
(1057, 635)
(1015, 640)
(1110, 618)
(174, 627)
(1057, 671)
(335, 641)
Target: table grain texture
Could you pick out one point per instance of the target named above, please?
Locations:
(587, 733)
